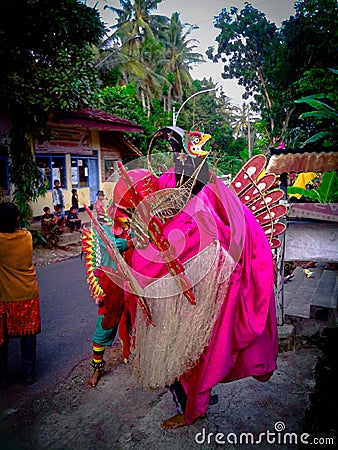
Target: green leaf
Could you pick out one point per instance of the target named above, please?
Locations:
(318, 115)
(316, 137)
(328, 187)
(311, 193)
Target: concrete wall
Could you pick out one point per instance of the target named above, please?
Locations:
(306, 241)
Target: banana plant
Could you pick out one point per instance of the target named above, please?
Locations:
(322, 112)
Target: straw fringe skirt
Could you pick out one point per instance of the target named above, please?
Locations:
(182, 332)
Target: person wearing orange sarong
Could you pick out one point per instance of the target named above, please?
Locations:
(19, 294)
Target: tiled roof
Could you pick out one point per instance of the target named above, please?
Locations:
(94, 119)
(297, 160)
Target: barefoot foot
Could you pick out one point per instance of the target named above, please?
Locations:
(173, 422)
(94, 379)
(177, 421)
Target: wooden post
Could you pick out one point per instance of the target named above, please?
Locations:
(279, 288)
(280, 252)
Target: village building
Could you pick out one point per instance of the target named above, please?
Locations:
(82, 153)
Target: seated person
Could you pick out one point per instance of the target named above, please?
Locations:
(59, 218)
(73, 220)
(47, 221)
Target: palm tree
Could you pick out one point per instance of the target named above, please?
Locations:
(179, 56)
(242, 121)
(135, 35)
(134, 17)
(150, 50)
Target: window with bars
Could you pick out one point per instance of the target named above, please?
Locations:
(54, 168)
(79, 171)
(110, 169)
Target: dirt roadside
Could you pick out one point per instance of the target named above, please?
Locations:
(43, 256)
(119, 415)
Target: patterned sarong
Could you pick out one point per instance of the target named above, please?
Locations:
(19, 318)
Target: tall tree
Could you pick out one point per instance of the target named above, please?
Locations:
(247, 44)
(153, 51)
(135, 34)
(179, 56)
(46, 67)
(243, 122)
(269, 61)
(134, 17)
(312, 35)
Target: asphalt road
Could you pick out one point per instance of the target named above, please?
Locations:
(68, 318)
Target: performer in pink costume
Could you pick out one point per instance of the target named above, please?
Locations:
(244, 338)
(222, 258)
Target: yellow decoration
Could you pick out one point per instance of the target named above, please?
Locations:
(302, 180)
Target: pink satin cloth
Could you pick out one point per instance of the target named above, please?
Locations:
(244, 340)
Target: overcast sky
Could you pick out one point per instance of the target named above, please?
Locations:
(202, 13)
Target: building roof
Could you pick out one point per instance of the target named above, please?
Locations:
(94, 119)
(128, 147)
(305, 159)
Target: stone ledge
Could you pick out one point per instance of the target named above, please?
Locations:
(286, 338)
